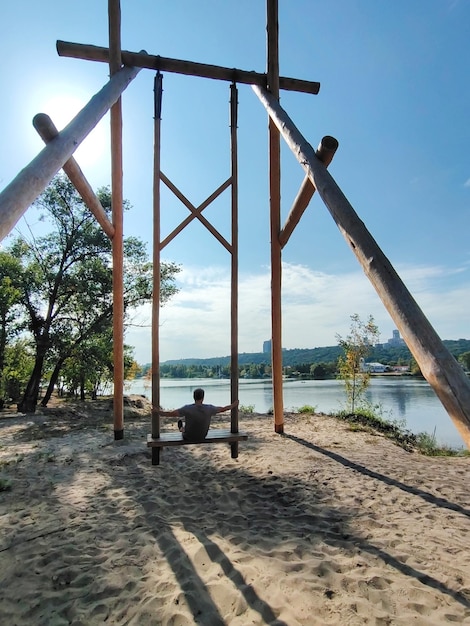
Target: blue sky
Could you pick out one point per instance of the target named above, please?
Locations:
(394, 92)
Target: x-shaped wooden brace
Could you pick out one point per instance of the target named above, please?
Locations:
(196, 212)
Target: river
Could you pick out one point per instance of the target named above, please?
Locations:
(412, 402)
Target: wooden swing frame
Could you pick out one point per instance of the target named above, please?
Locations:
(157, 440)
(438, 366)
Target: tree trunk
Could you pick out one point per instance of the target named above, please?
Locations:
(3, 342)
(30, 397)
(52, 382)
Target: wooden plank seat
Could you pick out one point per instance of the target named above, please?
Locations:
(214, 435)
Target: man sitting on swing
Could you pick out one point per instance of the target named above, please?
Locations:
(197, 416)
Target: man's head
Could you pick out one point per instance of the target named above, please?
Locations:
(198, 395)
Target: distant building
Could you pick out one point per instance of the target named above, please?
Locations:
(373, 368)
(394, 341)
(267, 347)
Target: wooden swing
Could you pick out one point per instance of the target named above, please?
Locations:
(215, 435)
(157, 440)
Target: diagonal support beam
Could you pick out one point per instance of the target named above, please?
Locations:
(325, 152)
(34, 178)
(47, 131)
(437, 364)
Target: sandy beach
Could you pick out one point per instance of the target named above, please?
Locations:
(323, 525)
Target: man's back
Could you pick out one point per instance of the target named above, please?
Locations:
(197, 419)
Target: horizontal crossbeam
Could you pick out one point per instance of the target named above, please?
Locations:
(164, 64)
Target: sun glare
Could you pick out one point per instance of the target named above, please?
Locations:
(61, 110)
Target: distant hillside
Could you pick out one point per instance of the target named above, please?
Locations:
(328, 354)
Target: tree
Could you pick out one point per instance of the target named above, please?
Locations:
(318, 371)
(91, 367)
(356, 346)
(465, 360)
(66, 281)
(19, 362)
(10, 294)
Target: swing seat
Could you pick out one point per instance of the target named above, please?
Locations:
(214, 435)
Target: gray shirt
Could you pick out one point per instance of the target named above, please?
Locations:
(197, 419)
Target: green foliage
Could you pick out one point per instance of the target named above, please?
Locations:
(10, 298)
(423, 443)
(307, 408)
(356, 346)
(18, 365)
(465, 360)
(90, 367)
(65, 284)
(246, 409)
(5, 484)
(304, 361)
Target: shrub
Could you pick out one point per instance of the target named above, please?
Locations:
(307, 409)
(5, 484)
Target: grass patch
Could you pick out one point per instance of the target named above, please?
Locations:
(307, 409)
(247, 409)
(5, 484)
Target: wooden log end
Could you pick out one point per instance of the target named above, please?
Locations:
(45, 127)
(326, 149)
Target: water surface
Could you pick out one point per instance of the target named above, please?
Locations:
(412, 402)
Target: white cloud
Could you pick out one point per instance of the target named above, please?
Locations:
(315, 308)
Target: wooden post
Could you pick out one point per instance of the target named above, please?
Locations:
(325, 152)
(47, 131)
(114, 12)
(34, 178)
(234, 266)
(156, 259)
(438, 366)
(275, 217)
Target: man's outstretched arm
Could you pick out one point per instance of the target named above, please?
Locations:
(174, 413)
(221, 409)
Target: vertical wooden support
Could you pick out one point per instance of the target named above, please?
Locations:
(114, 13)
(275, 217)
(156, 260)
(234, 267)
(158, 245)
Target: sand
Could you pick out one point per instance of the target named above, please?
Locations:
(321, 526)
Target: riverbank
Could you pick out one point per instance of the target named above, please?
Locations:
(407, 401)
(323, 525)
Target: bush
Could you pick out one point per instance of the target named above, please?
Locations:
(307, 409)
(5, 484)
